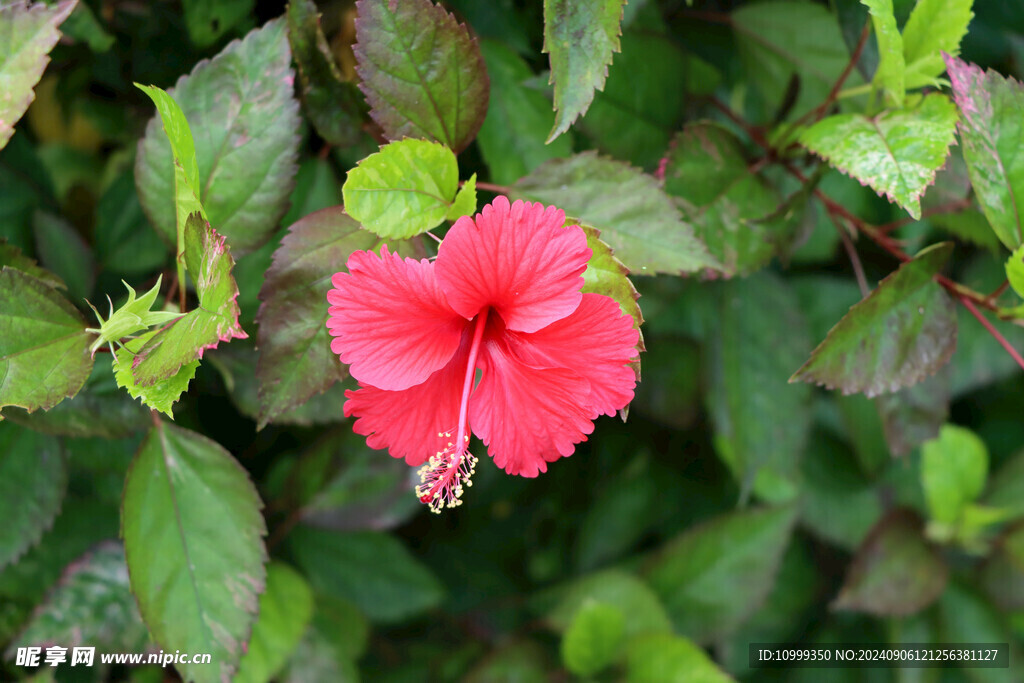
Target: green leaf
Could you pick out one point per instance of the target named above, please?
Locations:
(421, 71)
(164, 393)
(125, 241)
(992, 133)
(642, 104)
(1003, 572)
(296, 360)
(405, 189)
(193, 533)
(83, 26)
(33, 479)
(899, 334)
(897, 152)
(511, 138)
(593, 639)
(715, 575)
(522, 662)
(465, 201)
(92, 606)
(64, 252)
(580, 39)
(634, 216)
(618, 589)
(134, 315)
(895, 572)
(208, 20)
(372, 569)
(780, 41)
(44, 348)
(759, 421)
(1015, 270)
(214, 321)
(665, 658)
(1006, 489)
(27, 34)
(245, 122)
(966, 617)
(954, 467)
(914, 415)
(286, 608)
(99, 409)
(336, 638)
(720, 197)
(934, 27)
(891, 67)
(335, 107)
(12, 257)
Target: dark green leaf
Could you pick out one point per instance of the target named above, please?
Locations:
(336, 638)
(335, 107)
(634, 216)
(954, 467)
(760, 421)
(895, 572)
(91, 606)
(720, 197)
(642, 102)
(715, 575)
(1006, 490)
(244, 120)
(899, 334)
(897, 152)
(780, 40)
(44, 348)
(64, 252)
(665, 658)
(913, 415)
(518, 662)
(215, 320)
(580, 39)
(33, 479)
(934, 27)
(404, 189)
(966, 617)
(83, 26)
(286, 607)
(991, 133)
(125, 241)
(1003, 573)
(421, 71)
(12, 257)
(193, 532)
(593, 638)
(372, 569)
(208, 20)
(512, 136)
(296, 360)
(27, 34)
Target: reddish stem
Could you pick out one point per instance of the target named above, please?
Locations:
(491, 187)
(993, 331)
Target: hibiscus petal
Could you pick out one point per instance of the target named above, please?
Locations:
(408, 422)
(518, 259)
(597, 341)
(390, 320)
(527, 416)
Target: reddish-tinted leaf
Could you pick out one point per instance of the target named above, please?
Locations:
(422, 73)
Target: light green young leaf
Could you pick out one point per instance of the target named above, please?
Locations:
(161, 395)
(897, 152)
(1015, 270)
(44, 345)
(465, 201)
(593, 639)
(133, 316)
(934, 27)
(580, 38)
(899, 334)
(215, 320)
(619, 589)
(27, 34)
(891, 67)
(406, 188)
(954, 467)
(665, 657)
(193, 538)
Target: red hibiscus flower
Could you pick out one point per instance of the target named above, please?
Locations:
(503, 299)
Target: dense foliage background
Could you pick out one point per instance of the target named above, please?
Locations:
(759, 167)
